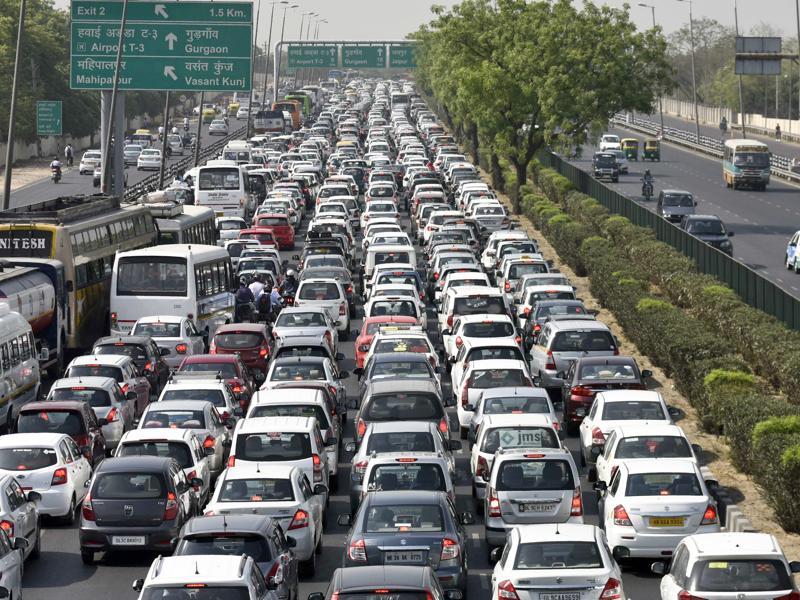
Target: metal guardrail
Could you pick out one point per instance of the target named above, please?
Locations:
(150, 183)
(779, 165)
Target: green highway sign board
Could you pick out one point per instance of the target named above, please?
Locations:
(166, 46)
(365, 57)
(401, 56)
(313, 56)
(48, 117)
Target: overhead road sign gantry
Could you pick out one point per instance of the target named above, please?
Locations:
(364, 57)
(302, 56)
(166, 45)
(401, 56)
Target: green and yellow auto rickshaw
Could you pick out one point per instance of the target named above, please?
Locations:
(652, 150)
(630, 146)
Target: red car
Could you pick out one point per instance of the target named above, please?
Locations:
(233, 370)
(279, 224)
(250, 341)
(369, 329)
(264, 235)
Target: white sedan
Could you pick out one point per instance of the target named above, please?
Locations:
(90, 160)
(177, 334)
(218, 127)
(555, 561)
(150, 158)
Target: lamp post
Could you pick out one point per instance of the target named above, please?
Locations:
(660, 107)
(299, 77)
(741, 93)
(269, 46)
(253, 46)
(279, 56)
(694, 75)
(11, 115)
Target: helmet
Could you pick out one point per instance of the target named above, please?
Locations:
(290, 273)
(647, 172)
(243, 280)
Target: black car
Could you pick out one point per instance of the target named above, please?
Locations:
(709, 229)
(144, 352)
(135, 503)
(385, 583)
(258, 536)
(410, 528)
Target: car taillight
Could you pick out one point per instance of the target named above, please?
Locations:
(113, 320)
(443, 425)
(112, 415)
(459, 341)
(171, 509)
(361, 428)
(550, 365)
(581, 390)
(537, 328)
(349, 289)
(494, 503)
(357, 551)
(684, 595)
(124, 388)
(450, 549)
(8, 527)
(87, 510)
(317, 468)
(518, 339)
(237, 389)
(209, 441)
(449, 320)
(507, 286)
(621, 517)
(359, 469)
(507, 591)
(181, 348)
(342, 309)
(149, 367)
(59, 476)
(263, 351)
(612, 590)
(299, 520)
(436, 275)
(710, 516)
(275, 573)
(482, 468)
(231, 461)
(577, 503)
(598, 439)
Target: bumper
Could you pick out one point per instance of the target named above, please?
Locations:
(549, 380)
(452, 578)
(54, 502)
(156, 539)
(479, 484)
(464, 416)
(649, 545)
(571, 405)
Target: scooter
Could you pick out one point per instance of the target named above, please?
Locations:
(55, 175)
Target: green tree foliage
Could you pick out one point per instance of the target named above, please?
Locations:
(531, 74)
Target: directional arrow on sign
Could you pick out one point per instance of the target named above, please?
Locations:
(161, 11)
(169, 71)
(171, 39)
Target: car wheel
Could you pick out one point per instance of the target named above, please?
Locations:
(87, 557)
(463, 431)
(309, 567)
(786, 261)
(37, 547)
(69, 518)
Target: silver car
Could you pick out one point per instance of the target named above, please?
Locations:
(218, 127)
(131, 153)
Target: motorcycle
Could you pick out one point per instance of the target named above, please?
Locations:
(287, 300)
(55, 175)
(647, 190)
(245, 312)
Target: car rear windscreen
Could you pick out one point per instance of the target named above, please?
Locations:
(135, 351)
(95, 398)
(633, 410)
(178, 451)
(407, 476)
(114, 373)
(515, 405)
(583, 341)
(406, 517)
(128, 486)
(400, 441)
(298, 372)
(228, 544)
(479, 305)
(519, 437)
(51, 421)
(524, 475)
(653, 446)
(176, 419)
(27, 459)
(492, 378)
(663, 484)
(216, 397)
(235, 340)
(403, 407)
(318, 291)
(272, 446)
(256, 489)
(559, 555)
(291, 410)
(488, 329)
(739, 576)
(227, 369)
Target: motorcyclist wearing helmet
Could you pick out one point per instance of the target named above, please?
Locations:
(244, 295)
(647, 183)
(289, 284)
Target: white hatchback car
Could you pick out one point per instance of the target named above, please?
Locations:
(177, 334)
(51, 465)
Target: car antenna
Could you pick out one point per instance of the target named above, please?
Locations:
(196, 569)
(258, 467)
(224, 522)
(557, 531)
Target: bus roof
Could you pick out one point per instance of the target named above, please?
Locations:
(198, 252)
(66, 209)
(741, 145)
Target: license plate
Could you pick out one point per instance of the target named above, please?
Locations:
(533, 507)
(560, 596)
(219, 213)
(404, 557)
(666, 521)
(128, 540)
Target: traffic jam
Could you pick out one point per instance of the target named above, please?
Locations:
(400, 398)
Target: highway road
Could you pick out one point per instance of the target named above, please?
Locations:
(73, 183)
(761, 221)
(59, 570)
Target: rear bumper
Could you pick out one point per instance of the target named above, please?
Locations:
(98, 539)
(54, 502)
(649, 545)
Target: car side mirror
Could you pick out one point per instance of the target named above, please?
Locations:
(454, 445)
(659, 568)
(495, 555)
(34, 496)
(102, 422)
(332, 441)
(316, 596)
(469, 407)
(87, 483)
(196, 482)
(339, 356)
(794, 566)
(561, 374)
(697, 449)
(320, 489)
(467, 518)
(272, 584)
(674, 412)
(70, 286)
(472, 436)
(437, 369)
(130, 395)
(498, 273)
(580, 412)
(517, 300)
(537, 381)
(137, 585)
(20, 543)
(291, 542)
(593, 312)
(591, 476)
(446, 332)
(647, 373)
(163, 351)
(596, 450)
(359, 371)
(451, 360)
(345, 520)
(350, 447)
(599, 486)
(711, 484)
(227, 443)
(208, 451)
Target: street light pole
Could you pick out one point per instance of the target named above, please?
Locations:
(269, 47)
(741, 93)
(253, 46)
(308, 38)
(660, 107)
(11, 114)
(279, 56)
(694, 75)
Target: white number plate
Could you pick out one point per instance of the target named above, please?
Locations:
(560, 596)
(533, 507)
(404, 557)
(128, 540)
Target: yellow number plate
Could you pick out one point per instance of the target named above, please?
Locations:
(666, 521)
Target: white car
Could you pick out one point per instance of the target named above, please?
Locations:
(328, 294)
(177, 334)
(208, 386)
(50, 464)
(556, 560)
(511, 401)
(277, 490)
(90, 160)
(488, 329)
(19, 517)
(228, 228)
(175, 144)
(609, 142)
(651, 505)
(402, 338)
(396, 306)
(130, 153)
(243, 112)
(619, 407)
(218, 127)
(150, 158)
(11, 562)
(379, 209)
(728, 566)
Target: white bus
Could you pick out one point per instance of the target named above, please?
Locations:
(185, 224)
(19, 366)
(224, 186)
(195, 281)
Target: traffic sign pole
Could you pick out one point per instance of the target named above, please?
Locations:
(106, 156)
(11, 113)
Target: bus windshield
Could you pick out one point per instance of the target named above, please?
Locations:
(222, 178)
(752, 159)
(151, 276)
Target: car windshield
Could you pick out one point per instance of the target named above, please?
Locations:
(216, 397)
(175, 419)
(400, 441)
(618, 372)
(157, 330)
(488, 329)
(478, 305)
(227, 369)
(128, 486)
(407, 474)
(211, 592)
(298, 372)
(114, 373)
(483, 379)
(583, 341)
(558, 555)
(653, 446)
(519, 475)
(27, 459)
(519, 437)
(605, 160)
(135, 351)
(256, 490)
(403, 406)
(706, 227)
(663, 484)
(273, 446)
(741, 575)
(633, 410)
(235, 340)
(516, 405)
(518, 270)
(404, 518)
(178, 451)
(318, 291)
(227, 544)
(683, 200)
(95, 398)
(51, 421)
(291, 410)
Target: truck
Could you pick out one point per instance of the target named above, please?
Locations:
(35, 288)
(268, 121)
(294, 108)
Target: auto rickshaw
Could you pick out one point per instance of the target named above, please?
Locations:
(233, 108)
(209, 114)
(630, 146)
(652, 150)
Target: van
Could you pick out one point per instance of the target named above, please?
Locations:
(143, 138)
(388, 254)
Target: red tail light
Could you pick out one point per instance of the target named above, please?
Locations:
(518, 339)
(357, 551)
(612, 590)
(537, 328)
(581, 390)
(263, 352)
(342, 309)
(112, 415)
(789, 596)
(317, 468)
(8, 527)
(59, 477)
(459, 341)
(465, 393)
(212, 349)
(225, 415)
(598, 439)
(494, 503)
(86, 508)
(577, 503)
(526, 311)
(436, 275)
(299, 520)
(149, 367)
(361, 428)
(710, 516)
(209, 441)
(359, 469)
(349, 289)
(621, 517)
(231, 461)
(551, 362)
(181, 348)
(449, 320)
(171, 509)
(276, 571)
(482, 468)
(124, 388)
(507, 286)
(83, 442)
(684, 595)
(443, 425)
(113, 320)
(507, 591)
(450, 549)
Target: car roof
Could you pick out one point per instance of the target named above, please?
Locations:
(244, 470)
(87, 382)
(404, 497)
(630, 395)
(300, 360)
(676, 191)
(497, 363)
(286, 395)
(571, 324)
(650, 429)
(476, 290)
(158, 434)
(400, 576)
(53, 405)
(286, 424)
(214, 568)
(126, 339)
(521, 391)
(113, 360)
(734, 544)
(550, 532)
(120, 464)
(178, 405)
(244, 327)
(394, 426)
(398, 356)
(211, 358)
(232, 523)
(161, 319)
(606, 360)
(381, 386)
(484, 318)
(19, 440)
(660, 465)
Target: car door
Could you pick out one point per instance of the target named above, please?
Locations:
(315, 503)
(457, 370)
(604, 460)
(606, 504)
(83, 469)
(285, 555)
(10, 566)
(195, 339)
(140, 385)
(23, 513)
(70, 464)
(186, 495)
(587, 425)
(202, 466)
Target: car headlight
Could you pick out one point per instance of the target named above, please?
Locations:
(725, 243)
